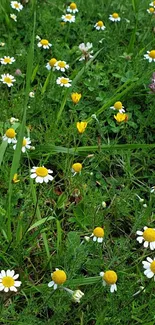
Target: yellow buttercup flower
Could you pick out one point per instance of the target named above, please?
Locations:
(121, 117)
(75, 97)
(81, 126)
(15, 179)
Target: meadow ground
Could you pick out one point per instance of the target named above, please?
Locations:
(77, 162)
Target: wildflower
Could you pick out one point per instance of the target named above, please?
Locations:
(109, 277)
(76, 295)
(104, 204)
(114, 17)
(13, 120)
(150, 56)
(7, 60)
(8, 281)
(63, 82)
(85, 49)
(152, 4)
(25, 144)
(31, 94)
(51, 64)
(15, 179)
(75, 97)
(149, 267)
(14, 17)
(2, 44)
(121, 117)
(150, 10)
(99, 25)
(152, 189)
(7, 79)
(98, 234)
(148, 236)
(18, 72)
(41, 174)
(76, 168)
(16, 5)
(68, 18)
(72, 8)
(58, 278)
(118, 106)
(10, 136)
(44, 43)
(61, 65)
(81, 126)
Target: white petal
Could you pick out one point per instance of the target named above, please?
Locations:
(112, 288)
(146, 265)
(94, 238)
(152, 246)
(46, 179)
(140, 239)
(3, 273)
(104, 283)
(149, 274)
(50, 178)
(6, 289)
(146, 244)
(33, 175)
(1, 287)
(101, 273)
(149, 259)
(100, 239)
(17, 283)
(15, 276)
(39, 179)
(55, 286)
(51, 284)
(13, 289)
(138, 232)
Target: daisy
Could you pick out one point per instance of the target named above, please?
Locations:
(76, 168)
(121, 117)
(10, 136)
(68, 18)
(99, 25)
(7, 60)
(14, 17)
(109, 277)
(72, 8)
(75, 97)
(85, 49)
(13, 120)
(16, 5)
(63, 82)
(152, 4)
(150, 10)
(25, 145)
(118, 106)
(41, 174)
(8, 281)
(98, 234)
(76, 295)
(149, 267)
(58, 278)
(7, 79)
(61, 65)
(44, 43)
(114, 17)
(148, 236)
(150, 56)
(81, 126)
(51, 64)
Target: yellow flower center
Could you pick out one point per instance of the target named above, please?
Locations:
(24, 142)
(61, 64)
(151, 9)
(73, 6)
(16, 5)
(118, 105)
(75, 97)
(68, 17)
(44, 42)
(41, 171)
(8, 281)
(98, 232)
(10, 133)
(100, 23)
(110, 277)
(52, 62)
(152, 266)
(8, 80)
(64, 81)
(149, 234)
(81, 126)
(59, 277)
(115, 15)
(152, 54)
(77, 167)
(7, 60)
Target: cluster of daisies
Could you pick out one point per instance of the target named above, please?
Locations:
(151, 10)
(18, 7)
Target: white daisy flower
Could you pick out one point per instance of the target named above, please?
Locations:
(148, 236)
(85, 49)
(58, 278)
(150, 10)
(8, 281)
(51, 64)
(152, 4)
(99, 25)
(72, 8)
(25, 145)
(114, 17)
(7, 60)
(44, 43)
(10, 136)
(149, 267)
(14, 17)
(16, 5)
(41, 174)
(7, 79)
(63, 82)
(109, 278)
(13, 120)
(98, 234)
(68, 18)
(61, 65)
(150, 56)
(118, 106)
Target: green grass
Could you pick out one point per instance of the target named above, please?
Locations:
(43, 226)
